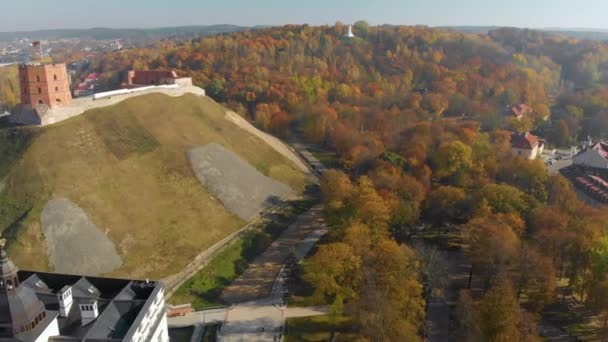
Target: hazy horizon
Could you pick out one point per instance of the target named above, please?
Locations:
(85, 14)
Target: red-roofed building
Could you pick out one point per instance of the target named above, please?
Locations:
(520, 110)
(92, 77)
(595, 155)
(139, 78)
(526, 145)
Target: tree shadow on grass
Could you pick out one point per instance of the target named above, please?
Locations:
(11, 232)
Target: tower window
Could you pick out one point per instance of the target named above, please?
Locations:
(56, 88)
(39, 90)
(40, 102)
(55, 77)
(37, 78)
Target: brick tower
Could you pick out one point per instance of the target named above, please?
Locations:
(44, 84)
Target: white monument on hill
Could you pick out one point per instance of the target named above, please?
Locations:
(349, 34)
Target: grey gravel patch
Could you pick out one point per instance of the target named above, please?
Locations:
(75, 244)
(242, 189)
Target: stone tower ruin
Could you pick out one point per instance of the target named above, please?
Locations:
(44, 84)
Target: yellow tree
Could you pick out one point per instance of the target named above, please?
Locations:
(334, 271)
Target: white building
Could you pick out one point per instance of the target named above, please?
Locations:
(41, 307)
(594, 155)
(526, 145)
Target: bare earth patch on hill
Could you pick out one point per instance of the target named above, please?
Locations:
(75, 244)
(238, 185)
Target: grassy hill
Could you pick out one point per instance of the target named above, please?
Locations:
(126, 166)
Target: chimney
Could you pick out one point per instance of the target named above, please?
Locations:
(88, 312)
(64, 296)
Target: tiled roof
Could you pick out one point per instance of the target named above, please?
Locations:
(526, 141)
(601, 148)
(519, 110)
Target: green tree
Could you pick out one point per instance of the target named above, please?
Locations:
(453, 158)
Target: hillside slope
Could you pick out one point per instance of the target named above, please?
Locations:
(126, 167)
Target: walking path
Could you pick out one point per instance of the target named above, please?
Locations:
(81, 105)
(258, 320)
(256, 282)
(173, 282)
(262, 319)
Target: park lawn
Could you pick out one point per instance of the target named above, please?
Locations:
(318, 328)
(204, 289)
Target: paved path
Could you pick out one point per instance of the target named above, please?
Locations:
(173, 282)
(257, 281)
(314, 163)
(81, 105)
(438, 320)
(264, 319)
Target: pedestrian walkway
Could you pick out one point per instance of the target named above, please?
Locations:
(257, 281)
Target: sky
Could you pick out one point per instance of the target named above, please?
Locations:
(26, 15)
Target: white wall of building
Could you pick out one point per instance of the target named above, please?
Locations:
(526, 153)
(590, 158)
(51, 330)
(153, 326)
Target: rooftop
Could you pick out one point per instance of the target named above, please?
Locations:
(520, 110)
(122, 304)
(525, 141)
(600, 147)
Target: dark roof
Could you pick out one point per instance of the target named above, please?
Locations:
(526, 141)
(600, 147)
(119, 302)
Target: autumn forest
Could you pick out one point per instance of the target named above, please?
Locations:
(416, 127)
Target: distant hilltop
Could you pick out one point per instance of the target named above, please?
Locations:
(124, 33)
(578, 33)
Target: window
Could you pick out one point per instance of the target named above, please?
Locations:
(56, 88)
(55, 77)
(37, 78)
(58, 100)
(39, 90)
(40, 102)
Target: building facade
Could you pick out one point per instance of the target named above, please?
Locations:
(526, 145)
(44, 84)
(139, 78)
(41, 307)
